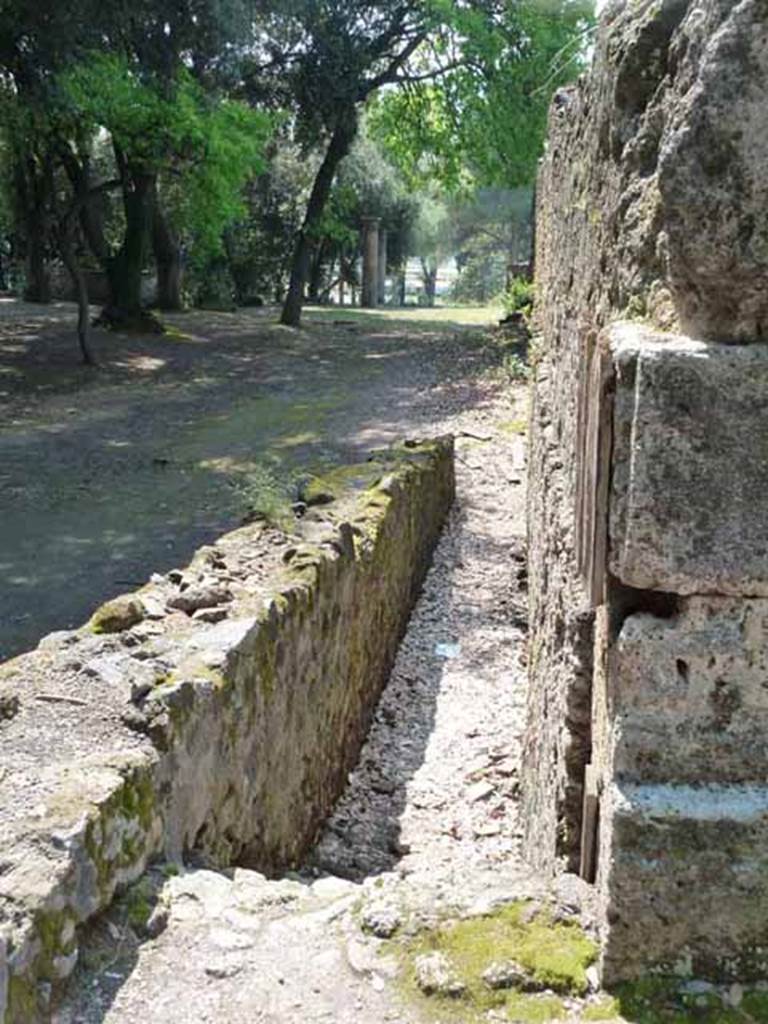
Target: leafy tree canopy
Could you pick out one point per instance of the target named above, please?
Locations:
(482, 121)
(203, 145)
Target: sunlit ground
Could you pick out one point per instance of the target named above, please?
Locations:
(470, 316)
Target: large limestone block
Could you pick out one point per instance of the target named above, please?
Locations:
(683, 881)
(689, 496)
(688, 700)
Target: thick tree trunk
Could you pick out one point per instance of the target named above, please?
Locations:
(167, 259)
(33, 194)
(341, 140)
(124, 269)
(38, 284)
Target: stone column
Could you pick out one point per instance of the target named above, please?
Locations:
(369, 298)
(382, 266)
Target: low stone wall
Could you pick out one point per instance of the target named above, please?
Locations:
(214, 714)
(645, 759)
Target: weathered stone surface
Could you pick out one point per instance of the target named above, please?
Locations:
(381, 919)
(647, 612)
(203, 595)
(689, 496)
(436, 976)
(242, 744)
(640, 215)
(688, 700)
(506, 974)
(684, 879)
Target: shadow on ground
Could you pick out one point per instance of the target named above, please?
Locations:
(107, 475)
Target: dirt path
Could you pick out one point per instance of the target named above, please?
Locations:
(427, 830)
(108, 475)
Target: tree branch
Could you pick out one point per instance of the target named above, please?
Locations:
(429, 75)
(389, 75)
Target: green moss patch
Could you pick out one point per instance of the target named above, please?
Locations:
(659, 1000)
(117, 615)
(336, 483)
(554, 956)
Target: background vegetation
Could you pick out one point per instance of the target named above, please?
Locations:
(222, 152)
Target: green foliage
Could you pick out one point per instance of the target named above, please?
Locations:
(203, 146)
(484, 120)
(457, 96)
(433, 237)
(264, 493)
(607, 1009)
(519, 297)
(259, 245)
(525, 1009)
(493, 231)
(515, 370)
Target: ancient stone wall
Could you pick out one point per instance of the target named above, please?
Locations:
(646, 757)
(214, 714)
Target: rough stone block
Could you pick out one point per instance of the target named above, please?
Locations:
(683, 881)
(688, 699)
(689, 496)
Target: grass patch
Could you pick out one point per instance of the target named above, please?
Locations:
(264, 494)
(607, 1009)
(421, 316)
(531, 1009)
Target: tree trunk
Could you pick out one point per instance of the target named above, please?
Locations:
(33, 193)
(38, 283)
(124, 269)
(71, 262)
(316, 274)
(341, 140)
(167, 259)
(91, 214)
(429, 277)
(66, 235)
